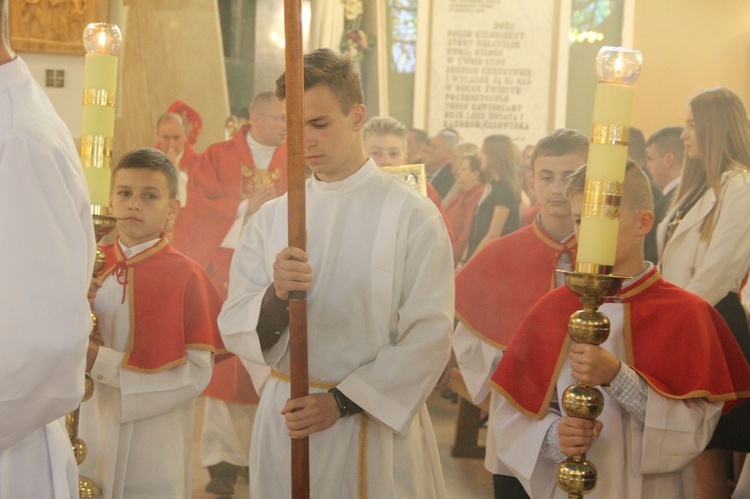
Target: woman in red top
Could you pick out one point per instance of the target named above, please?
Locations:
(460, 208)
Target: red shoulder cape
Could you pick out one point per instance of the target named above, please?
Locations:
(502, 282)
(173, 306)
(675, 340)
(216, 187)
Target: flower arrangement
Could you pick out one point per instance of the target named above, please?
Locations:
(354, 40)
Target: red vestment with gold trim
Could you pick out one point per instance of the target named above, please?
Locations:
(675, 340)
(224, 177)
(497, 277)
(173, 306)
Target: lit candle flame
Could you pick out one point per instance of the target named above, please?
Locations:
(102, 40)
(618, 66)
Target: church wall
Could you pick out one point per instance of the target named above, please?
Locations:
(688, 46)
(172, 50)
(68, 99)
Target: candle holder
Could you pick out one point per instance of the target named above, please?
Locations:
(576, 475)
(617, 69)
(102, 43)
(103, 225)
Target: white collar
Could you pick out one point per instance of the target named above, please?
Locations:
(254, 145)
(138, 248)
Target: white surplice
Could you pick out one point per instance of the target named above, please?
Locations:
(46, 259)
(380, 312)
(634, 460)
(477, 360)
(139, 426)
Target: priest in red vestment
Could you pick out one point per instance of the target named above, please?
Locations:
(232, 180)
(176, 133)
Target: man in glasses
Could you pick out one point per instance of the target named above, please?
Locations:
(231, 182)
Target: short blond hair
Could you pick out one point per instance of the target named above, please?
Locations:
(466, 149)
(385, 125)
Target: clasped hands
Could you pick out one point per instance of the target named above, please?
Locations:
(591, 365)
(257, 197)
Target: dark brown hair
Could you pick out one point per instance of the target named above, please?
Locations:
(150, 159)
(325, 67)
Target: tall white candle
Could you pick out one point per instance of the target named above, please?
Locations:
(617, 70)
(102, 42)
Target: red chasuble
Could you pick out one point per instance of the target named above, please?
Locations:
(675, 340)
(223, 178)
(173, 306)
(189, 158)
(510, 275)
(188, 161)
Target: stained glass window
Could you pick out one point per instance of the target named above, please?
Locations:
(403, 14)
(587, 16)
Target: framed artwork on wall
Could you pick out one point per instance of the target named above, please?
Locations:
(53, 26)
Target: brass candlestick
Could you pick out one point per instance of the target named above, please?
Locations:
(103, 225)
(576, 475)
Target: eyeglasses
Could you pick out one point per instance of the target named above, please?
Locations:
(278, 117)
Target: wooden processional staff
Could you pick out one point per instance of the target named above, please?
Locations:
(297, 231)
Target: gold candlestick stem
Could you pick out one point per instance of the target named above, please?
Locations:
(576, 475)
(103, 225)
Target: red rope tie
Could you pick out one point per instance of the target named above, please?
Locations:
(121, 273)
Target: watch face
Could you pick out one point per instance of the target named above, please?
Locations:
(340, 401)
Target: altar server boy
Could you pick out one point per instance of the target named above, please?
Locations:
(157, 313)
(668, 369)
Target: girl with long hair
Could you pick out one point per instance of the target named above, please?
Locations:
(704, 243)
(497, 212)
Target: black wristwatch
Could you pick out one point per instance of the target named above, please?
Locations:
(341, 401)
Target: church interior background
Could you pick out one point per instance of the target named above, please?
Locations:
(423, 62)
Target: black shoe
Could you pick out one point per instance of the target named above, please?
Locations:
(223, 478)
(221, 486)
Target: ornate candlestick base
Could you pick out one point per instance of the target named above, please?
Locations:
(86, 486)
(576, 475)
(103, 225)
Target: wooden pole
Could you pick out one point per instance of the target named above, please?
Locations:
(297, 230)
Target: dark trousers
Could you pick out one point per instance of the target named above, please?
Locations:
(733, 430)
(508, 487)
